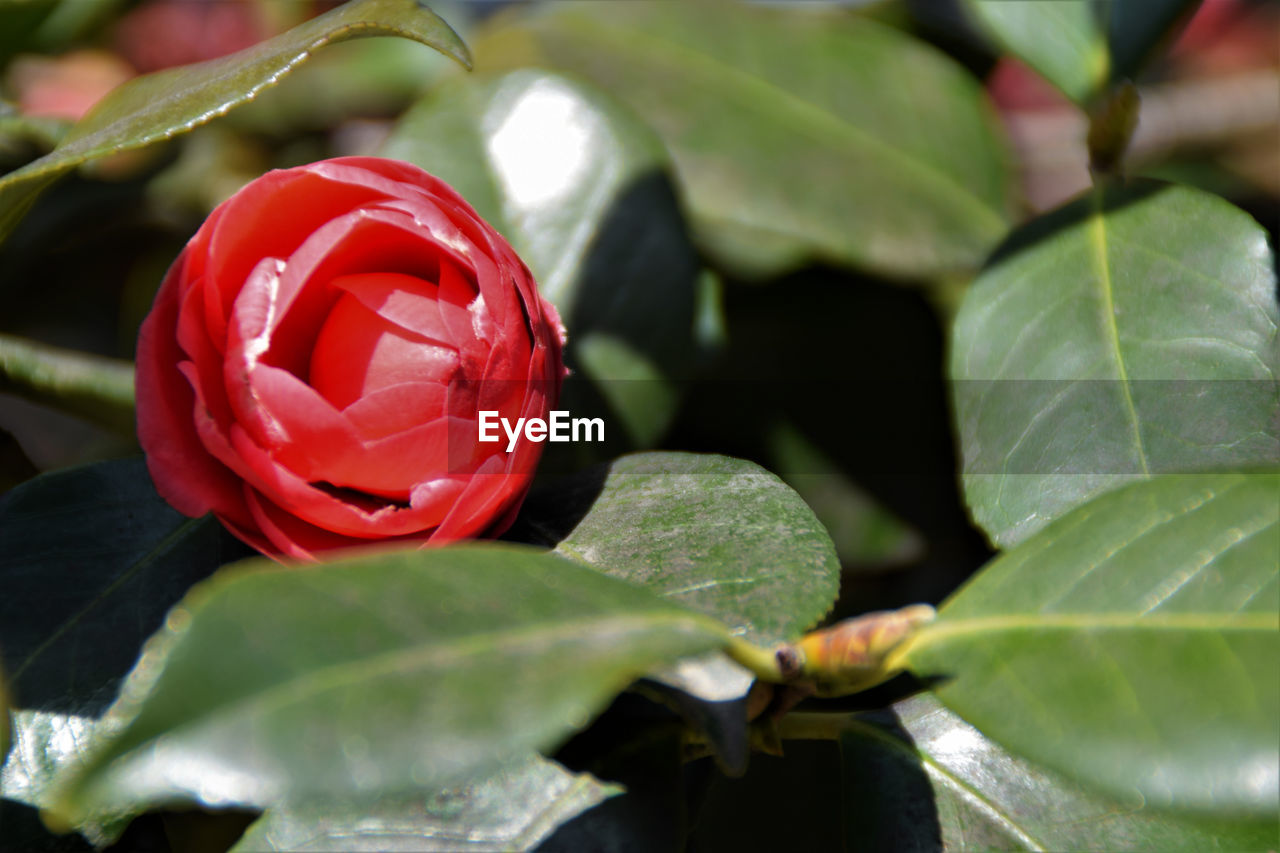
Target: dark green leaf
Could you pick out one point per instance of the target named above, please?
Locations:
(580, 187)
(1082, 46)
(1132, 644)
(722, 536)
(1136, 29)
(1129, 334)
(162, 105)
(920, 778)
(91, 560)
(795, 135)
(5, 725)
(375, 675)
(512, 810)
(96, 388)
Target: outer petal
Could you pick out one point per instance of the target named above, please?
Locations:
(185, 474)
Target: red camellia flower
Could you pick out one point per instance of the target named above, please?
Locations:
(314, 363)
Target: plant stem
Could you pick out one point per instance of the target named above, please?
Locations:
(93, 387)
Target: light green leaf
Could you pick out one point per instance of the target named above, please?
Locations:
(796, 135)
(375, 675)
(721, 536)
(1132, 644)
(1065, 42)
(580, 188)
(512, 810)
(1081, 45)
(1128, 334)
(162, 105)
(980, 797)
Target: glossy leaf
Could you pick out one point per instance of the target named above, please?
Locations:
(795, 135)
(159, 106)
(1132, 644)
(512, 810)
(375, 675)
(1129, 334)
(580, 187)
(920, 778)
(1081, 46)
(721, 536)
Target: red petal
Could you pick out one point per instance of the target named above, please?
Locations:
(397, 407)
(359, 352)
(185, 474)
(408, 301)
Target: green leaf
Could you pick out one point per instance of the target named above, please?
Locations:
(721, 536)
(1132, 644)
(162, 105)
(16, 129)
(512, 810)
(93, 387)
(91, 560)
(1128, 334)
(1065, 42)
(580, 187)
(375, 675)
(1080, 46)
(920, 778)
(1138, 29)
(6, 728)
(766, 111)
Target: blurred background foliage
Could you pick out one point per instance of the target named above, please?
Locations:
(816, 353)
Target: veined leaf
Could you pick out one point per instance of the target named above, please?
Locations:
(721, 536)
(1128, 334)
(162, 105)
(765, 111)
(1132, 644)
(376, 675)
(512, 810)
(921, 778)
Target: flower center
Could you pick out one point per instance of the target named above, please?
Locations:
(358, 351)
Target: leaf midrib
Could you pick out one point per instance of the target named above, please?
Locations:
(817, 117)
(947, 629)
(1098, 237)
(1007, 823)
(415, 656)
